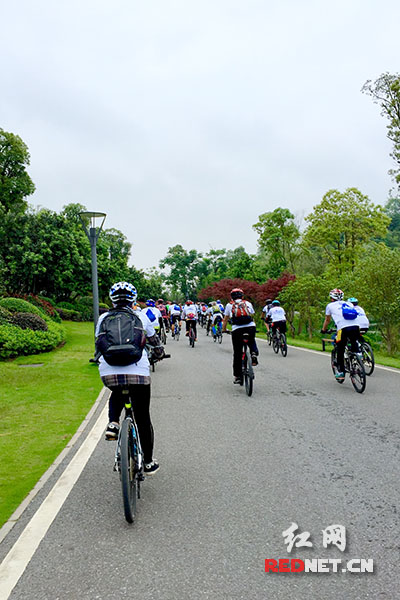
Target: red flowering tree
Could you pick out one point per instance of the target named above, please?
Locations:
(253, 291)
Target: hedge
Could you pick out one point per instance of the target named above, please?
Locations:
(67, 314)
(18, 305)
(29, 321)
(15, 341)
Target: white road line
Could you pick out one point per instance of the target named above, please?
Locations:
(319, 353)
(16, 561)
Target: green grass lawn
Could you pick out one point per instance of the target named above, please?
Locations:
(380, 358)
(41, 408)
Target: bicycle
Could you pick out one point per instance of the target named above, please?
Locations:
(192, 335)
(247, 367)
(353, 365)
(177, 331)
(128, 461)
(367, 355)
(279, 342)
(163, 333)
(217, 332)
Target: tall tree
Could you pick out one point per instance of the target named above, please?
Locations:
(385, 91)
(341, 224)
(15, 183)
(278, 237)
(184, 270)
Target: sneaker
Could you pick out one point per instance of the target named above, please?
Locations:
(254, 360)
(237, 380)
(151, 468)
(339, 376)
(112, 431)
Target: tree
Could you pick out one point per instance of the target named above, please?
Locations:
(15, 183)
(278, 237)
(377, 280)
(184, 270)
(385, 91)
(341, 224)
(392, 209)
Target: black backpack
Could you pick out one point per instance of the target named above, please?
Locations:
(121, 337)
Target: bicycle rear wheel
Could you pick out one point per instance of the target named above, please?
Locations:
(128, 471)
(368, 358)
(283, 345)
(177, 333)
(163, 336)
(248, 374)
(275, 344)
(191, 337)
(219, 337)
(357, 373)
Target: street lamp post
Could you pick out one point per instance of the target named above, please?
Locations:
(92, 233)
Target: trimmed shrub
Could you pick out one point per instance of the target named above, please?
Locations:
(29, 321)
(15, 341)
(41, 303)
(19, 305)
(5, 315)
(69, 315)
(49, 300)
(67, 305)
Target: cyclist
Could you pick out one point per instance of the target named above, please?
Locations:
(265, 310)
(362, 319)
(163, 310)
(175, 314)
(241, 324)
(277, 317)
(189, 314)
(347, 330)
(216, 319)
(153, 314)
(209, 313)
(136, 375)
(219, 303)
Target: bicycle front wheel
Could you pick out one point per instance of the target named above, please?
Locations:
(368, 358)
(357, 373)
(283, 345)
(128, 471)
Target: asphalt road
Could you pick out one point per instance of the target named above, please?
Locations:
(235, 473)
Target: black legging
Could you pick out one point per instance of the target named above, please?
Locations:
(191, 322)
(237, 343)
(352, 334)
(140, 395)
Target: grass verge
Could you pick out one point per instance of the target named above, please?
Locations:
(41, 408)
(380, 358)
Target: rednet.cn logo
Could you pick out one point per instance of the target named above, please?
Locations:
(333, 535)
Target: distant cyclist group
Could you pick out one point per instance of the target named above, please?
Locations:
(125, 332)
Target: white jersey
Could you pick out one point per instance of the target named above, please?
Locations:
(277, 314)
(334, 309)
(266, 309)
(228, 313)
(142, 367)
(362, 319)
(174, 309)
(189, 310)
(153, 315)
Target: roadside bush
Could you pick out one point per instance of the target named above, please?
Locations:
(67, 305)
(15, 341)
(42, 304)
(29, 321)
(19, 305)
(69, 315)
(5, 315)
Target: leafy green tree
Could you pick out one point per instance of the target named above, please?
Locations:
(184, 270)
(306, 295)
(377, 280)
(15, 183)
(340, 226)
(278, 238)
(392, 209)
(385, 91)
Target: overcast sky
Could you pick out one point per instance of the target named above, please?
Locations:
(184, 120)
